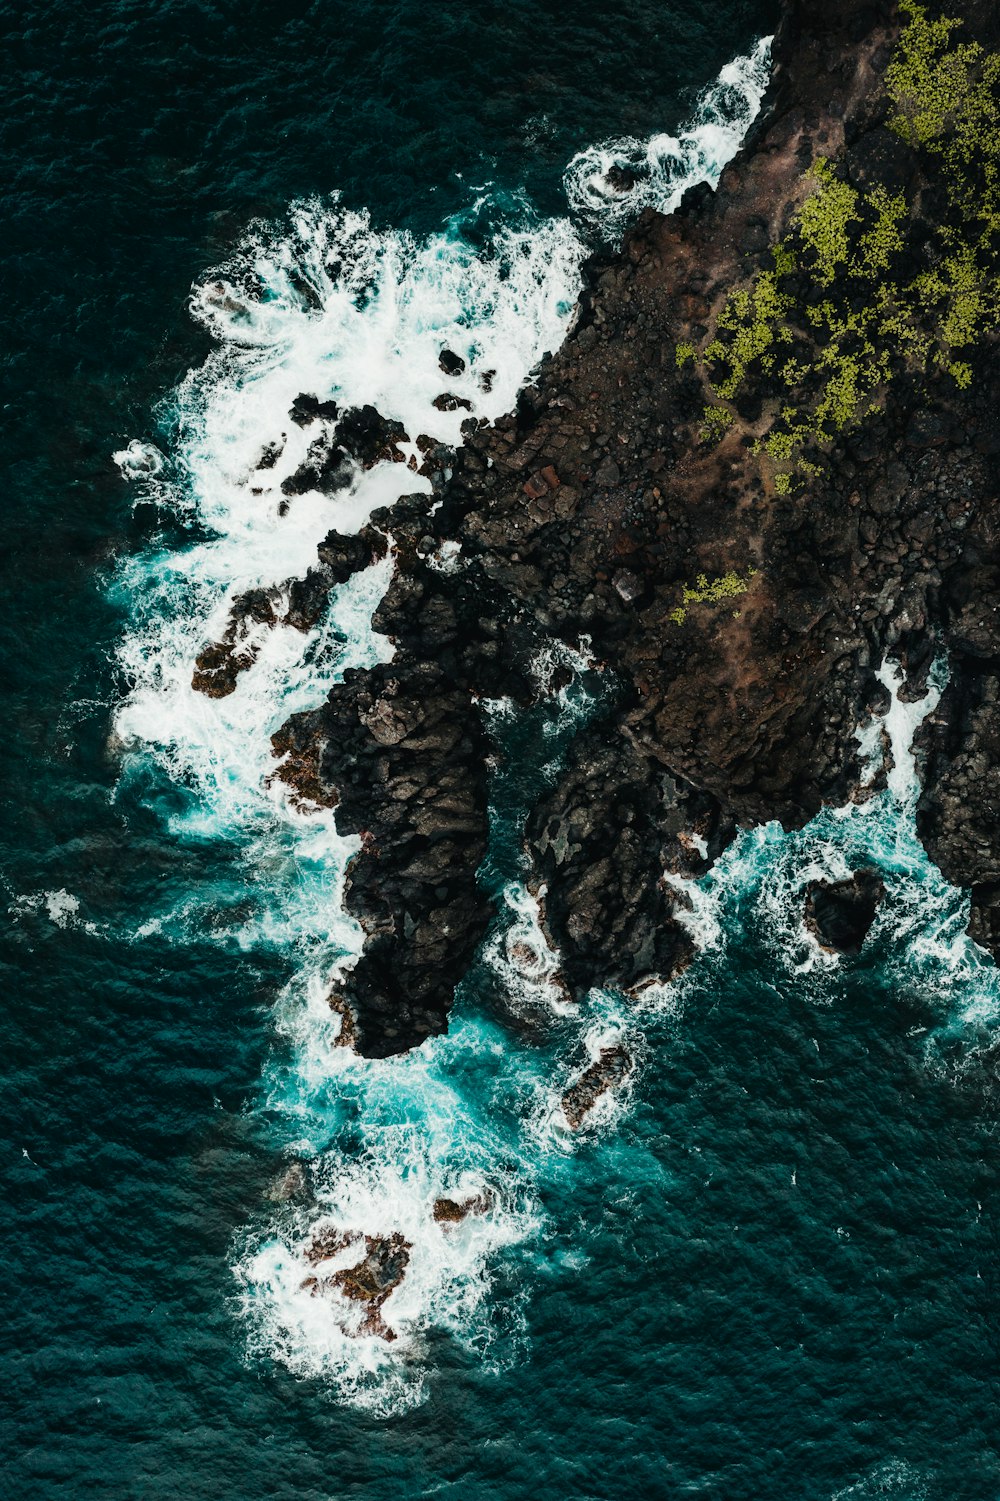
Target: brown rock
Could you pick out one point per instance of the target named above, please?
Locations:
(608, 1071)
(326, 1241)
(453, 1211)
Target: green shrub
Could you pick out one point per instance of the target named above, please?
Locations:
(858, 318)
(712, 592)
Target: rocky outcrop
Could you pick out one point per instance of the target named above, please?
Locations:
(609, 1071)
(840, 913)
(449, 1211)
(601, 843)
(357, 438)
(740, 609)
(369, 1282)
(958, 816)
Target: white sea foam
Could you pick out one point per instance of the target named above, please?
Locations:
(423, 1143)
(919, 929)
(139, 460)
(608, 1025)
(522, 957)
(327, 305)
(60, 906)
(901, 724)
(663, 167)
(893, 1479)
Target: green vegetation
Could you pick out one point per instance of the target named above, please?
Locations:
(821, 333)
(712, 592)
(716, 420)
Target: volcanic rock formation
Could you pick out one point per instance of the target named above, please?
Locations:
(765, 458)
(840, 913)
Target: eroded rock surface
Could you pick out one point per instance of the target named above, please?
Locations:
(369, 1281)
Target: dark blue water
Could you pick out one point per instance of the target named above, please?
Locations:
(774, 1272)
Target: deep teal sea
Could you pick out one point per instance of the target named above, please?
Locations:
(771, 1271)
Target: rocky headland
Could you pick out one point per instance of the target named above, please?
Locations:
(765, 457)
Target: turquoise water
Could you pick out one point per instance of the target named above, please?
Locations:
(769, 1267)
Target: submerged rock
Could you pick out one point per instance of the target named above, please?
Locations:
(840, 913)
(291, 1184)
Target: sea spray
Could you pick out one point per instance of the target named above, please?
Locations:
(609, 185)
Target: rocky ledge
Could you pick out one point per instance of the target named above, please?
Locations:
(765, 458)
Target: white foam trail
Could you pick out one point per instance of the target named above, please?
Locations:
(524, 960)
(328, 306)
(901, 724)
(893, 1479)
(139, 460)
(696, 910)
(662, 168)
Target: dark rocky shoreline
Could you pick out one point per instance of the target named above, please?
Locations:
(593, 511)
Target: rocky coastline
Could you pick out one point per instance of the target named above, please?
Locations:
(739, 592)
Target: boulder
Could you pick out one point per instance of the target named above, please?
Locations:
(451, 364)
(840, 913)
(610, 1069)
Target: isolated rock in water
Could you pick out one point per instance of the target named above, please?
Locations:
(621, 179)
(841, 913)
(451, 364)
(218, 666)
(374, 1278)
(453, 1211)
(369, 1281)
(609, 1071)
(449, 402)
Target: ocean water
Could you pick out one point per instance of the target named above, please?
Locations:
(768, 1266)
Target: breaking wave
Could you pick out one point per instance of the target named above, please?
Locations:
(608, 185)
